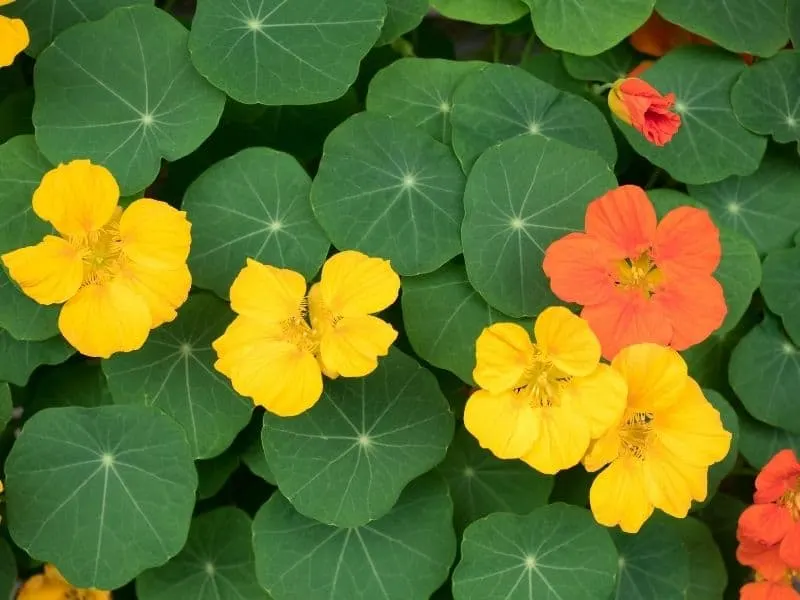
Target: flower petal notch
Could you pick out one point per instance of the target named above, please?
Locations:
(640, 105)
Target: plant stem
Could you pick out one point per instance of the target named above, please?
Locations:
(497, 52)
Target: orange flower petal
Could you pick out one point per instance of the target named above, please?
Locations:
(579, 267)
(790, 547)
(694, 307)
(762, 558)
(687, 243)
(768, 590)
(640, 105)
(778, 475)
(641, 68)
(766, 524)
(625, 218)
(658, 36)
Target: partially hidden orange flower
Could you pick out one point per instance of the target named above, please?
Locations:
(640, 280)
(769, 590)
(641, 106)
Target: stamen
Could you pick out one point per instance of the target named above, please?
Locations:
(636, 434)
(541, 383)
(641, 274)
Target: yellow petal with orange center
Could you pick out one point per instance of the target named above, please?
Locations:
(49, 272)
(77, 198)
(563, 440)
(656, 376)
(102, 319)
(504, 423)
(155, 235)
(14, 38)
(354, 284)
(351, 348)
(600, 398)
(503, 352)
(618, 496)
(164, 290)
(567, 340)
(267, 294)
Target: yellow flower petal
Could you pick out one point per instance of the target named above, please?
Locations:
(49, 272)
(667, 487)
(267, 294)
(102, 319)
(154, 234)
(164, 290)
(503, 351)
(602, 451)
(51, 585)
(563, 440)
(5, 2)
(351, 348)
(504, 424)
(656, 376)
(567, 340)
(600, 398)
(14, 38)
(618, 497)
(354, 284)
(76, 198)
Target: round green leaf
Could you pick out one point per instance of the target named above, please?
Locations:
(23, 318)
(174, 371)
(122, 92)
(103, 493)
(390, 190)
(252, 205)
(6, 408)
(20, 359)
(212, 474)
(587, 27)
(484, 12)
(781, 288)
(345, 461)
(481, 484)
(710, 144)
(753, 26)
(443, 315)
(605, 67)
(8, 570)
(760, 442)
(283, 51)
(403, 16)
(217, 563)
(707, 575)
(522, 195)
(420, 90)
(502, 101)
(403, 555)
(730, 421)
(654, 563)
(557, 551)
(766, 99)
(765, 374)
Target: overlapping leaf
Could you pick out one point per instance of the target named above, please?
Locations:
(486, 12)
(20, 359)
(23, 318)
(707, 575)
(402, 17)
(605, 67)
(759, 442)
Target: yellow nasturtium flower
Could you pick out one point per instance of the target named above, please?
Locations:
(542, 401)
(51, 585)
(118, 273)
(282, 341)
(14, 37)
(659, 452)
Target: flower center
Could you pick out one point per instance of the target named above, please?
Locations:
(636, 433)
(542, 382)
(639, 274)
(791, 500)
(297, 331)
(102, 253)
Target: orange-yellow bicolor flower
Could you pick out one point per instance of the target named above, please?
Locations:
(14, 37)
(51, 585)
(542, 400)
(118, 273)
(659, 452)
(640, 280)
(640, 105)
(282, 341)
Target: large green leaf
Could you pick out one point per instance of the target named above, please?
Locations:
(390, 190)
(20, 359)
(406, 554)
(484, 12)
(174, 371)
(23, 318)
(781, 288)
(122, 92)
(403, 16)
(283, 51)
(605, 67)
(217, 563)
(753, 26)
(557, 551)
(103, 493)
(502, 101)
(481, 484)
(707, 575)
(345, 461)
(710, 144)
(420, 90)
(522, 195)
(252, 205)
(760, 442)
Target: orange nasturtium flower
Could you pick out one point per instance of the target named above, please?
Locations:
(51, 585)
(659, 452)
(282, 341)
(762, 589)
(639, 280)
(640, 105)
(118, 273)
(542, 401)
(14, 37)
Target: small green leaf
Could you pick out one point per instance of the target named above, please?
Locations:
(103, 493)
(256, 205)
(20, 359)
(483, 12)
(502, 101)
(605, 67)
(403, 555)
(730, 421)
(781, 288)
(122, 92)
(212, 474)
(390, 190)
(345, 461)
(707, 575)
(760, 442)
(403, 16)
(522, 195)
(8, 570)
(23, 318)
(557, 551)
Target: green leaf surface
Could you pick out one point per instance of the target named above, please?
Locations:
(548, 66)
(587, 27)
(23, 318)
(711, 144)
(345, 461)
(253, 453)
(392, 191)
(760, 442)
(730, 421)
(283, 51)
(793, 20)
(707, 575)
(605, 67)
(502, 101)
(765, 374)
(103, 493)
(256, 205)
(15, 114)
(402, 17)
(484, 12)
(217, 563)
(8, 570)
(403, 555)
(420, 90)
(781, 288)
(174, 371)
(6, 408)
(74, 383)
(481, 484)
(557, 551)
(122, 92)
(522, 195)
(212, 474)
(753, 26)
(20, 359)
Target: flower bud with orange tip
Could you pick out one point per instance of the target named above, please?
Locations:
(640, 105)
